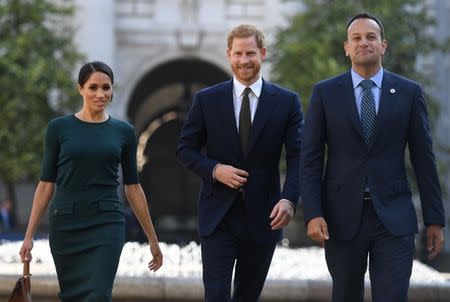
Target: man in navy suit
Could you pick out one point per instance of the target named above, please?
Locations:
(241, 125)
(361, 206)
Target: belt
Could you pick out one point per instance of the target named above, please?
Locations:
(86, 208)
(367, 196)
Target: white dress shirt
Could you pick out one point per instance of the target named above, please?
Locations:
(238, 91)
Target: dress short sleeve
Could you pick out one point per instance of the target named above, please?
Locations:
(129, 166)
(50, 164)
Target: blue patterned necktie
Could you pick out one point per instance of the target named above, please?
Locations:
(368, 111)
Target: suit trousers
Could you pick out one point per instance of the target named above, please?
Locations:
(390, 261)
(228, 247)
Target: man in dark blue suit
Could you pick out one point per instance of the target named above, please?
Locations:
(361, 206)
(242, 125)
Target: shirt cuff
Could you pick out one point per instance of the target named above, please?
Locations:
(292, 205)
(214, 179)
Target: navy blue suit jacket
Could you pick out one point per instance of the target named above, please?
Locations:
(335, 189)
(210, 136)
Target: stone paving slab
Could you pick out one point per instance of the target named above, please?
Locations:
(295, 275)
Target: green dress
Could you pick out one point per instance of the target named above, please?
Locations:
(87, 223)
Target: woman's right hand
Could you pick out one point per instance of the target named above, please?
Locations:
(157, 260)
(25, 250)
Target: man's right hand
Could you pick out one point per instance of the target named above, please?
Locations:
(318, 230)
(230, 176)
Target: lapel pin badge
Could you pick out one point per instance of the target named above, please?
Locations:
(392, 91)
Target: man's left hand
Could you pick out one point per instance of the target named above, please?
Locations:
(281, 214)
(435, 240)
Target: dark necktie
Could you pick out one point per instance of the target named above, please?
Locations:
(245, 120)
(368, 111)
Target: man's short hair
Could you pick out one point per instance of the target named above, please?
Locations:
(367, 16)
(245, 31)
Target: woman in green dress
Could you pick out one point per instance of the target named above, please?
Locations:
(83, 152)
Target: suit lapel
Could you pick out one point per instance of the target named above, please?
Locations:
(229, 119)
(386, 96)
(265, 106)
(348, 96)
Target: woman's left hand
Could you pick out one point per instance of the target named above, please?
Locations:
(157, 260)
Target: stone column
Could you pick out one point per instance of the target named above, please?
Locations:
(95, 35)
(95, 30)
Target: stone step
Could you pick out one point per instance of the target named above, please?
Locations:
(156, 289)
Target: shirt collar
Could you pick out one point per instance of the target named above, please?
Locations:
(256, 87)
(377, 78)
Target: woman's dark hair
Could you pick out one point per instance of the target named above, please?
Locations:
(89, 68)
(367, 16)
